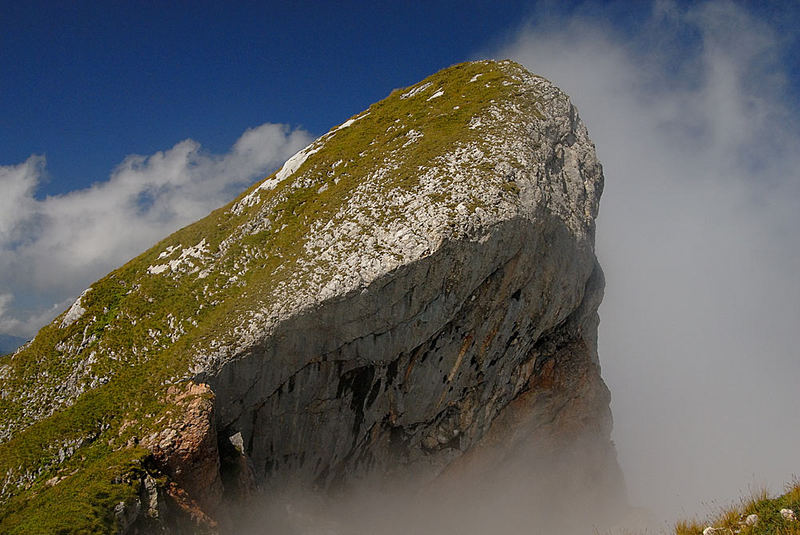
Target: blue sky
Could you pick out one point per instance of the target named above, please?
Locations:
(693, 108)
(87, 83)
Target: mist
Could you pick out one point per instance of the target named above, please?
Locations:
(539, 490)
(697, 236)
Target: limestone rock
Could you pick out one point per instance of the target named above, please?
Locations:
(413, 297)
(186, 451)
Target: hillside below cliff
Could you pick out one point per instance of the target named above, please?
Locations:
(409, 302)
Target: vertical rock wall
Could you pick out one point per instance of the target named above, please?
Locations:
(450, 369)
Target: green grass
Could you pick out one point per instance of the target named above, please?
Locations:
(83, 501)
(770, 521)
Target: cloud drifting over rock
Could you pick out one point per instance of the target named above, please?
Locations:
(52, 248)
(697, 234)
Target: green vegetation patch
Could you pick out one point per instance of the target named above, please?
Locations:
(767, 509)
(81, 498)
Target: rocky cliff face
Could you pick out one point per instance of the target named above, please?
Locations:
(413, 297)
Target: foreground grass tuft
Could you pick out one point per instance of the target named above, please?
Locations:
(768, 509)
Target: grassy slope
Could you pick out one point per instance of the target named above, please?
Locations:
(128, 357)
(770, 521)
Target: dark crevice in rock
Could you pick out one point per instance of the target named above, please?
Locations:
(358, 382)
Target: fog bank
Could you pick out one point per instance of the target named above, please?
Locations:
(697, 237)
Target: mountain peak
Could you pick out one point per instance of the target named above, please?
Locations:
(439, 243)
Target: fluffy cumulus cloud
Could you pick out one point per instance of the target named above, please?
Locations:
(52, 248)
(699, 138)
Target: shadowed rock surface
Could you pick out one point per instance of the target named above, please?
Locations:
(410, 302)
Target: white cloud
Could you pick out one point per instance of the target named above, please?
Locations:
(54, 247)
(19, 183)
(697, 237)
